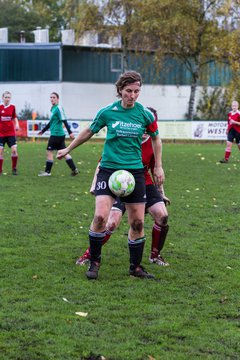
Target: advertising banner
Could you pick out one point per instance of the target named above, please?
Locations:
(188, 130)
(34, 126)
(209, 130)
(175, 129)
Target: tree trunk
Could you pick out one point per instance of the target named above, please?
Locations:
(192, 100)
(195, 77)
(125, 54)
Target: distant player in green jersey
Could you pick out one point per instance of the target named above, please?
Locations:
(57, 138)
(126, 121)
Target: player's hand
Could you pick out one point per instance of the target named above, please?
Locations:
(159, 176)
(40, 133)
(17, 127)
(72, 136)
(62, 153)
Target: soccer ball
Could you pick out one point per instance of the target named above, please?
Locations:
(121, 183)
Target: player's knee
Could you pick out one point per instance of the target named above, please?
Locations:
(161, 219)
(112, 226)
(99, 221)
(164, 220)
(137, 225)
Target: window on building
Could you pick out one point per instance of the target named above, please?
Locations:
(116, 62)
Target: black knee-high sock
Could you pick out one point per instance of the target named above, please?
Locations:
(48, 166)
(71, 164)
(96, 240)
(136, 251)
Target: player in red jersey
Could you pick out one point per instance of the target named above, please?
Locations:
(233, 131)
(8, 126)
(155, 206)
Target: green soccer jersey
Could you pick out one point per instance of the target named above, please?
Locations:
(56, 120)
(125, 127)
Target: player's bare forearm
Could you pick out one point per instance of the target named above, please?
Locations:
(158, 170)
(157, 150)
(16, 124)
(82, 137)
(234, 122)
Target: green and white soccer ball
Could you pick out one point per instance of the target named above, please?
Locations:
(121, 183)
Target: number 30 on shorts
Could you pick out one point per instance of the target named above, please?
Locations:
(101, 185)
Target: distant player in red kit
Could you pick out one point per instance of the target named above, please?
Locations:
(155, 206)
(233, 131)
(8, 126)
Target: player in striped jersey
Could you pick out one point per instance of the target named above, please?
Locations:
(8, 126)
(233, 131)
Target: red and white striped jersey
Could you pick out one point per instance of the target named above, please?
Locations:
(236, 117)
(7, 116)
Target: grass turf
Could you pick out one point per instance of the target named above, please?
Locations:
(190, 312)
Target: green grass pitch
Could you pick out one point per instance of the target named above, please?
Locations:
(191, 312)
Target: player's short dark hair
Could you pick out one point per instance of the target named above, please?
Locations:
(128, 77)
(54, 93)
(154, 111)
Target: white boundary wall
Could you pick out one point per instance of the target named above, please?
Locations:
(83, 100)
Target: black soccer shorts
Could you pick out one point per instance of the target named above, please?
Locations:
(56, 143)
(9, 140)
(153, 196)
(137, 196)
(233, 134)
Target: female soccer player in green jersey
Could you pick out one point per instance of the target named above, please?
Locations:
(57, 138)
(126, 121)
